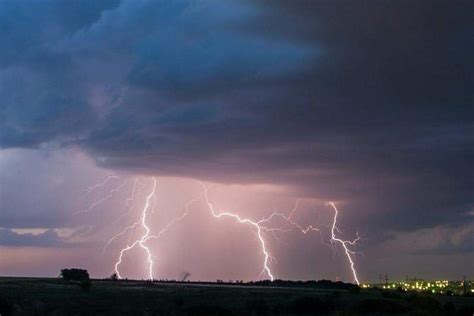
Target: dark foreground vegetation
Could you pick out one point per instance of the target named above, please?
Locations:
(42, 296)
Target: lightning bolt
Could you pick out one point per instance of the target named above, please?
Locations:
(256, 225)
(307, 229)
(344, 243)
(303, 229)
(130, 227)
(260, 228)
(147, 236)
(141, 242)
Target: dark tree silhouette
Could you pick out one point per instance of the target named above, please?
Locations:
(74, 274)
(114, 277)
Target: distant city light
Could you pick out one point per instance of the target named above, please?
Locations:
(437, 286)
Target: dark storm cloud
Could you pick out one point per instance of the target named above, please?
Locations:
(368, 102)
(437, 240)
(39, 88)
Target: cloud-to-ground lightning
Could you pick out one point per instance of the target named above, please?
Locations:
(128, 203)
(129, 227)
(141, 241)
(253, 224)
(259, 227)
(344, 243)
(160, 233)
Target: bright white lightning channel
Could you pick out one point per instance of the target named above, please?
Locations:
(344, 243)
(144, 237)
(253, 224)
(259, 227)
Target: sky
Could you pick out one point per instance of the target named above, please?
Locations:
(367, 104)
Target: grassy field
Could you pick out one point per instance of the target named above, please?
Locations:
(48, 296)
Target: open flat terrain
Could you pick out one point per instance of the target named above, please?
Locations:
(49, 296)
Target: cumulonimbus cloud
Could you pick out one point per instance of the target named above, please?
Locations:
(368, 104)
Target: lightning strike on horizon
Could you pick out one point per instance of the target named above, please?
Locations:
(267, 257)
(160, 233)
(259, 227)
(147, 236)
(349, 253)
(144, 237)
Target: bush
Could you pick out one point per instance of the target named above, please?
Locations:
(74, 274)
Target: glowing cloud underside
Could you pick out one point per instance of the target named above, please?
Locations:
(261, 227)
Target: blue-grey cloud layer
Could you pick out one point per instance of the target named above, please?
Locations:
(369, 102)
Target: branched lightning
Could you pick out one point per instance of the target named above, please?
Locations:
(174, 220)
(303, 229)
(141, 242)
(261, 227)
(294, 208)
(100, 184)
(147, 235)
(129, 227)
(132, 195)
(128, 202)
(256, 225)
(102, 200)
(344, 243)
